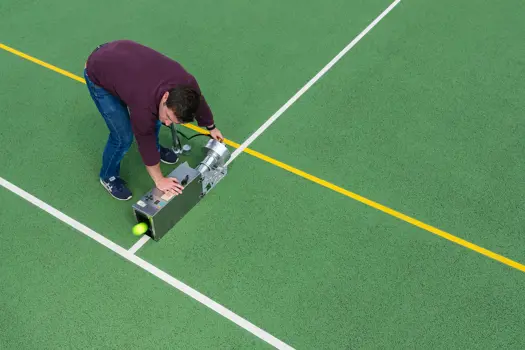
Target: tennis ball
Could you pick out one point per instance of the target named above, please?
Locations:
(140, 228)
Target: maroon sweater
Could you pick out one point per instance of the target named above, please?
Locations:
(139, 76)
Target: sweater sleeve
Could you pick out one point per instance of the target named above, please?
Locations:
(204, 115)
(143, 125)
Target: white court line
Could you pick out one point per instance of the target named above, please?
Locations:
(277, 114)
(221, 310)
(138, 244)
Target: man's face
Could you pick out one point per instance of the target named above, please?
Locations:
(166, 115)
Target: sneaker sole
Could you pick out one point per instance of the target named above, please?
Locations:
(165, 162)
(120, 199)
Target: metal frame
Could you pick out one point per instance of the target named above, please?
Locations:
(177, 146)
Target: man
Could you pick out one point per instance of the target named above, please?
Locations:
(136, 89)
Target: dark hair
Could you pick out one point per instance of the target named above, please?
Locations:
(184, 102)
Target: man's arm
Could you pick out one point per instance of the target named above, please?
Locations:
(144, 129)
(155, 172)
(204, 115)
(205, 119)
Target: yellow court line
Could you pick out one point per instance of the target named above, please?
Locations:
(42, 63)
(319, 181)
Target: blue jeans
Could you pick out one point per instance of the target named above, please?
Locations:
(116, 115)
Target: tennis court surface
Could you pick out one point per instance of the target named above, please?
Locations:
(383, 208)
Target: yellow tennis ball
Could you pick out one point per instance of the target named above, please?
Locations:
(140, 229)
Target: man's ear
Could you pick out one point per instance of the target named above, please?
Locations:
(165, 96)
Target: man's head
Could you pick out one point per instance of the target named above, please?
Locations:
(179, 105)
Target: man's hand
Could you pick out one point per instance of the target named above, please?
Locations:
(169, 185)
(165, 184)
(216, 134)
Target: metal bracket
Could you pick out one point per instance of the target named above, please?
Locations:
(178, 147)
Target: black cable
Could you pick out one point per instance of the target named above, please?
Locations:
(189, 138)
